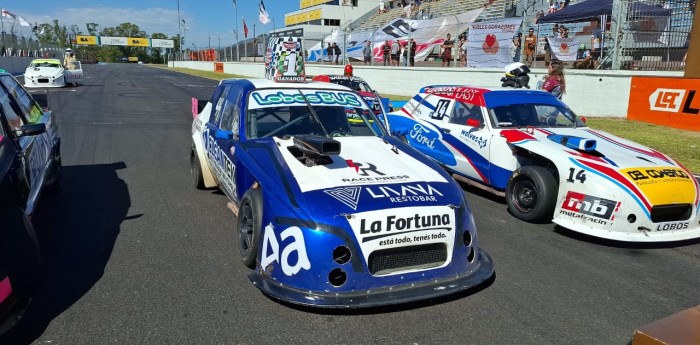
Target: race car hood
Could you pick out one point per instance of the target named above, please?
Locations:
(623, 161)
(368, 174)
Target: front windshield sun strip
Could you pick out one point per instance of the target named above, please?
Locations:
(313, 113)
(381, 106)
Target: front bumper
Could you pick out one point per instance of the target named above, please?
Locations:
(633, 234)
(480, 271)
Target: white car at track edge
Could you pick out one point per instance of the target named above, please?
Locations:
(51, 73)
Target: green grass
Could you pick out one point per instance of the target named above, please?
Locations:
(683, 146)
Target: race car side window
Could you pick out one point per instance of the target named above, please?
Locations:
(463, 112)
(231, 110)
(219, 106)
(29, 108)
(14, 120)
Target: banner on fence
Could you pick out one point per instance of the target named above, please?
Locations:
(427, 33)
(564, 49)
(488, 44)
(665, 101)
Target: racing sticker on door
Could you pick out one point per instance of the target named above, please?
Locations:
(401, 227)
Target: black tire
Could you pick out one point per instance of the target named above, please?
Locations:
(531, 194)
(19, 251)
(196, 171)
(249, 226)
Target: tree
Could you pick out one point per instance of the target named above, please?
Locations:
(127, 30)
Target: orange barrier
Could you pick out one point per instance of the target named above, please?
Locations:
(681, 328)
(219, 67)
(665, 101)
(203, 55)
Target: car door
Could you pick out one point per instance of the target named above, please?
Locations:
(228, 123)
(429, 135)
(465, 123)
(35, 149)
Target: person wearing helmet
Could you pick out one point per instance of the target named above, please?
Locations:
(516, 76)
(68, 59)
(348, 70)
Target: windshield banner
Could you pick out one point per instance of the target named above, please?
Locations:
(292, 97)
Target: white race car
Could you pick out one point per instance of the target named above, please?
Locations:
(531, 148)
(51, 73)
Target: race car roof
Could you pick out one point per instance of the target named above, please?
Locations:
(46, 60)
(333, 77)
(492, 97)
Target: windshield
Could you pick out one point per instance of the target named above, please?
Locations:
(45, 64)
(353, 84)
(533, 115)
(285, 112)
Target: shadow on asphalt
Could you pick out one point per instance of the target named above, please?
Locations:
(394, 307)
(77, 231)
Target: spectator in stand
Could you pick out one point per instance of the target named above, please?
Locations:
(367, 52)
(515, 45)
(336, 50)
(447, 52)
(554, 82)
(530, 47)
(547, 52)
(386, 50)
(412, 51)
(329, 51)
(596, 41)
(395, 50)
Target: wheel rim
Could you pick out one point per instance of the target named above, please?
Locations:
(524, 195)
(245, 235)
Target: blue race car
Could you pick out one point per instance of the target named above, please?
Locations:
(332, 213)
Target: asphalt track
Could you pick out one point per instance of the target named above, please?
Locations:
(136, 255)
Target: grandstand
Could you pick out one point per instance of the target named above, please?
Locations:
(493, 9)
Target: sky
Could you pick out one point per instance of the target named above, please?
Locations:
(204, 19)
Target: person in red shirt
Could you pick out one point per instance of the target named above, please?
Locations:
(386, 49)
(554, 82)
(447, 53)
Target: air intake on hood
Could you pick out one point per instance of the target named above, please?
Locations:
(576, 143)
(314, 150)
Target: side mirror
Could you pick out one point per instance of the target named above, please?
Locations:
(33, 129)
(474, 123)
(223, 135)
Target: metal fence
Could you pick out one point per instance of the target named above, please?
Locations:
(16, 45)
(649, 35)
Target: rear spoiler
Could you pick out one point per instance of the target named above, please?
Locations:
(198, 105)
